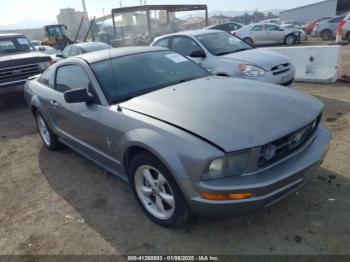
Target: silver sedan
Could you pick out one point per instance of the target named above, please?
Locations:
(266, 34)
(187, 142)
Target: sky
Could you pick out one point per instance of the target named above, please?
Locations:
(42, 11)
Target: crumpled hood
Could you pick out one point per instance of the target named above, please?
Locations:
(259, 56)
(232, 113)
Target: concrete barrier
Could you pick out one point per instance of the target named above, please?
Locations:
(314, 63)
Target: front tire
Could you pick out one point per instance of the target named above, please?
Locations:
(326, 35)
(49, 139)
(248, 40)
(290, 39)
(157, 191)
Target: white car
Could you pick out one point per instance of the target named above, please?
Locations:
(226, 55)
(267, 33)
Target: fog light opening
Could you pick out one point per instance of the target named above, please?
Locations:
(235, 196)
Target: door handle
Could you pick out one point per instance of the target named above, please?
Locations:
(53, 102)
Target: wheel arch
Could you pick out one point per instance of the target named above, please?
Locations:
(152, 143)
(326, 30)
(176, 169)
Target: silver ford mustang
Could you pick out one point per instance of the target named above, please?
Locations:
(188, 142)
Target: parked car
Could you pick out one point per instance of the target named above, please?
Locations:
(273, 21)
(36, 43)
(82, 48)
(187, 142)
(309, 27)
(302, 35)
(296, 24)
(226, 55)
(46, 49)
(227, 27)
(266, 34)
(18, 61)
(327, 29)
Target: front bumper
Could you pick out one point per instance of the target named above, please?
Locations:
(268, 186)
(285, 78)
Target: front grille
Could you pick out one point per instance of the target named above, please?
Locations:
(285, 146)
(18, 73)
(280, 69)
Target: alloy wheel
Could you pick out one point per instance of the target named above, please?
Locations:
(154, 192)
(290, 40)
(43, 130)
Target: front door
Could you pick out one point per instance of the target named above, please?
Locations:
(258, 34)
(185, 46)
(75, 121)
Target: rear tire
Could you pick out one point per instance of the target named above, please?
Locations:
(248, 40)
(157, 191)
(326, 35)
(290, 39)
(48, 137)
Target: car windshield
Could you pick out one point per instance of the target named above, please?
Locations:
(222, 43)
(154, 70)
(10, 45)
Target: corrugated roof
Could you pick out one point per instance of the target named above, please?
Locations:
(300, 7)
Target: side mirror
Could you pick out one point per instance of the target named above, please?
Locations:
(59, 55)
(41, 48)
(198, 54)
(78, 96)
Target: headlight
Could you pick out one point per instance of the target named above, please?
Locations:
(231, 165)
(252, 71)
(43, 65)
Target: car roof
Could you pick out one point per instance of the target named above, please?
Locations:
(11, 35)
(105, 54)
(191, 33)
(211, 26)
(88, 44)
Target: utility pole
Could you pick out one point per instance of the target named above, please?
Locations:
(84, 7)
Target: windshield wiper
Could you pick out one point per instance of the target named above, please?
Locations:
(231, 52)
(184, 80)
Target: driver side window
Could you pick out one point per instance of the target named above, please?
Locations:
(66, 78)
(184, 45)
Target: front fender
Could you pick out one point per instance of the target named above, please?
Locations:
(183, 154)
(156, 144)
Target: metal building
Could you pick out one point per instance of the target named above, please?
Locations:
(314, 11)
